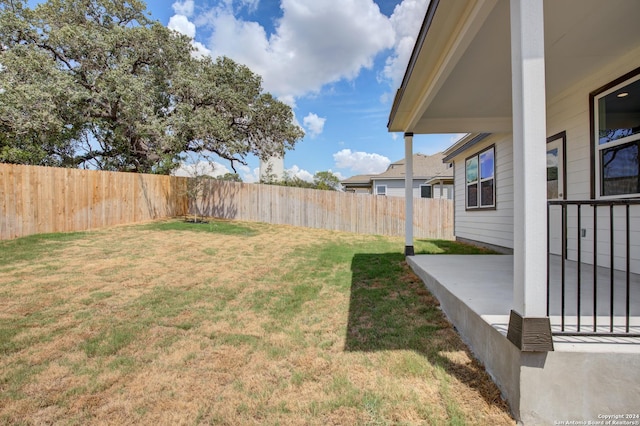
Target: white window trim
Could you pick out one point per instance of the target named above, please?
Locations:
(598, 148)
(381, 186)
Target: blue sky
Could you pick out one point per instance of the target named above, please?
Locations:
(338, 64)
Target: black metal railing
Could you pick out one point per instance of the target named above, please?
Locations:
(591, 289)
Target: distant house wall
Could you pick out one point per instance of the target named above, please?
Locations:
(443, 191)
(359, 190)
(395, 188)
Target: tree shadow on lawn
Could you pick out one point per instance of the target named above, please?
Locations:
(391, 309)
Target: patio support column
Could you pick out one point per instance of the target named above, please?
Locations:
(408, 194)
(529, 327)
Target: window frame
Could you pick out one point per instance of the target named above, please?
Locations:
(596, 147)
(430, 190)
(562, 137)
(479, 181)
(381, 186)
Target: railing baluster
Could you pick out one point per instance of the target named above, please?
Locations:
(628, 267)
(579, 265)
(595, 268)
(611, 268)
(548, 256)
(563, 255)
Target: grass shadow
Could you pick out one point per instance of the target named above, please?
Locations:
(391, 309)
(34, 246)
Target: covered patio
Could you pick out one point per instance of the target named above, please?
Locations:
(476, 293)
(484, 285)
(521, 77)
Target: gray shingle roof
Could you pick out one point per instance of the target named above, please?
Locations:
(424, 167)
(358, 179)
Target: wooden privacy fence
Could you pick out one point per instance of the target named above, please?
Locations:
(365, 214)
(37, 200)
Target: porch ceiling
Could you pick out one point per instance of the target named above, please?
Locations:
(459, 77)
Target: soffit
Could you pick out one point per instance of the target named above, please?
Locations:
(471, 90)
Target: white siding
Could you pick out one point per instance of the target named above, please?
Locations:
(395, 188)
(567, 112)
(442, 191)
(488, 226)
(570, 112)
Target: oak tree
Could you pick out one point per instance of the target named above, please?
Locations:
(97, 83)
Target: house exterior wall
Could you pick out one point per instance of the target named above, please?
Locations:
(568, 112)
(357, 190)
(444, 191)
(395, 188)
(361, 190)
(490, 226)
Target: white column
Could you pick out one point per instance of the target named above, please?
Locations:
(408, 193)
(529, 157)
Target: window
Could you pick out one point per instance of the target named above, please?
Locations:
(616, 123)
(381, 189)
(426, 191)
(556, 146)
(480, 179)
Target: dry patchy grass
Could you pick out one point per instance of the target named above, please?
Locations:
(229, 323)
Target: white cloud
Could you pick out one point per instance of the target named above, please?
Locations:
(184, 8)
(361, 162)
(315, 42)
(455, 137)
(249, 175)
(314, 124)
(406, 21)
(201, 168)
(181, 24)
(201, 49)
(296, 171)
(339, 175)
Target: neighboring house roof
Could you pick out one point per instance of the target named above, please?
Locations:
(445, 180)
(424, 167)
(358, 180)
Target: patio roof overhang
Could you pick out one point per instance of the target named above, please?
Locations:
(459, 76)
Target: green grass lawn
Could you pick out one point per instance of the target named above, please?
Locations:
(229, 323)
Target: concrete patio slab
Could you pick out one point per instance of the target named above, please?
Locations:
(475, 292)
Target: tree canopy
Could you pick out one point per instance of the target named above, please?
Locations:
(96, 83)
